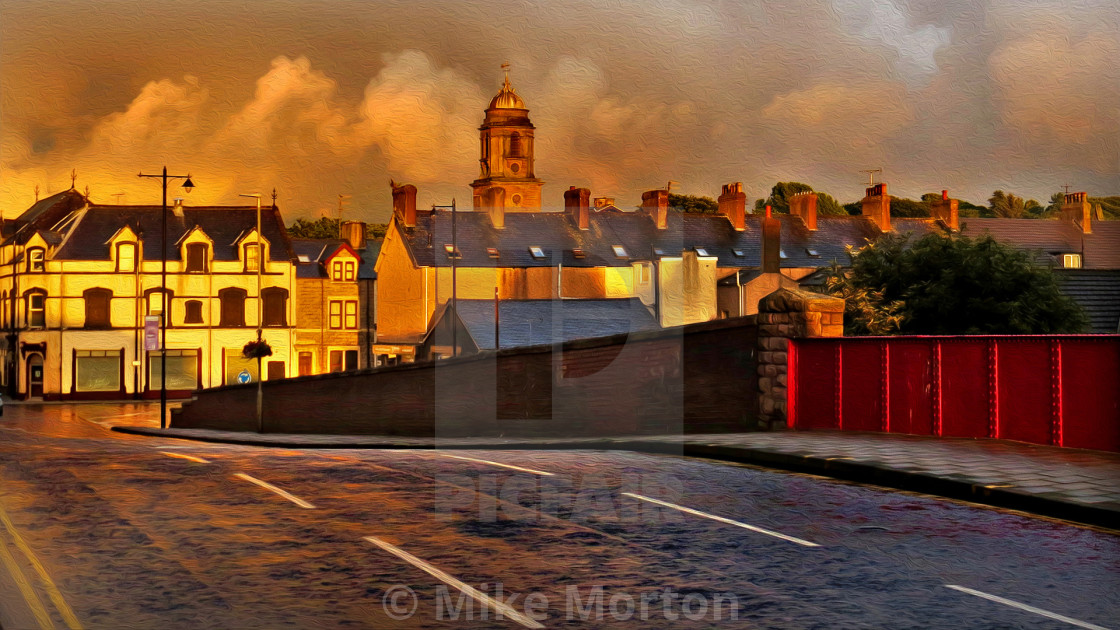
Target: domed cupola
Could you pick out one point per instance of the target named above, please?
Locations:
(507, 97)
(506, 179)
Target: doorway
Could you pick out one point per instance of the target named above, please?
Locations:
(35, 376)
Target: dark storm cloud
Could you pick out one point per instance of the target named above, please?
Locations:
(322, 98)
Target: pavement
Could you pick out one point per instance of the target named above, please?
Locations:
(1070, 484)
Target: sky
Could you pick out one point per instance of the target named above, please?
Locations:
(336, 97)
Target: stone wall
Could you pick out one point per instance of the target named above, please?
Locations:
(783, 315)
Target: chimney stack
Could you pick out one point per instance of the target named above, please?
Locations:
(354, 233)
(771, 243)
(655, 203)
(1076, 210)
(877, 206)
(404, 204)
(494, 203)
(804, 205)
(946, 211)
(733, 205)
(577, 207)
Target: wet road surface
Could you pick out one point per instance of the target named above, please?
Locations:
(105, 530)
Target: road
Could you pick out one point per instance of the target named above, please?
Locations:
(105, 530)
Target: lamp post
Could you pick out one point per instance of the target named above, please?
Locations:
(260, 315)
(188, 186)
(454, 285)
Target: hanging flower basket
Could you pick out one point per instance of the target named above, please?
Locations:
(257, 349)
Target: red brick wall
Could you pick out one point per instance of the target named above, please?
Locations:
(694, 379)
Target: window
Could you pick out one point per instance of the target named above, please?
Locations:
(643, 274)
(304, 258)
(97, 307)
(812, 252)
(97, 370)
(197, 253)
(156, 301)
(700, 251)
(233, 307)
(275, 306)
(182, 369)
(536, 252)
(305, 364)
(452, 251)
(579, 253)
(738, 252)
(193, 313)
(619, 251)
(35, 257)
(343, 270)
(515, 145)
(492, 252)
(782, 254)
(252, 257)
(657, 251)
(126, 257)
(343, 314)
(343, 360)
(1071, 261)
(37, 310)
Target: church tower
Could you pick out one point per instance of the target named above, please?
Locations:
(507, 182)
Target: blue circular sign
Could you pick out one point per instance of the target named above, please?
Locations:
(244, 377)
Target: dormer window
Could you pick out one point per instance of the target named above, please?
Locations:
(197, 254)
(619, 251)
(452, 251)
(126, 257)
(1071, 261)
(492, 252)
(252, 257)
(35, 257)
(536, 252)
(343, 270)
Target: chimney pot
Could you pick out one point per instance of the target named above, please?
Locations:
(944, 195)
(1077, 210)
(767, 211)
(577, 206)
(655, 203)
(877, 206)
(404, 204)
(354, 232)
(804, 206)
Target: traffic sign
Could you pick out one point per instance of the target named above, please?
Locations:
(244, 377)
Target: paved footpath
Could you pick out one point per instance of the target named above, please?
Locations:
(1071, 484)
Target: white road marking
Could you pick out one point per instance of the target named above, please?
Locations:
(185, 456)
(721, 519)
(24, 586)
(501, 608)
(509, 466)
(267, 486)
(1021, 606)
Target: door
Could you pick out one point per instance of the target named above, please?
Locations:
(305, 364)
(275, 370)
(35, 376)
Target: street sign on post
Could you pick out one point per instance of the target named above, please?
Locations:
(151, 332)
(244, 377)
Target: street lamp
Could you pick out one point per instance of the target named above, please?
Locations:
(454, 284)
(260, 315)
(188, 186)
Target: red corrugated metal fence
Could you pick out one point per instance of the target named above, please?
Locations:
(1062, 390)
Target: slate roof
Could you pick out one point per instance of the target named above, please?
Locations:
(88, 237)
(1097, 292)
(539, 322)
(317, 250)
(45, 214)
(557, 236)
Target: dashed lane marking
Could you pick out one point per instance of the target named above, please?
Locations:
(267, 486)
(25, 589)
(509, 466)
(721, 519)
(53, 593)
(499, 607)
(1022, 606)
(187, 457)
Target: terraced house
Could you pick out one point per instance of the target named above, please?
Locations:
(79, 280)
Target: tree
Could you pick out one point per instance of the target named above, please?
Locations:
(694, 204)
(326, 227)
(908, 208)
(1006, 205)
(782, 191)
(949, 286)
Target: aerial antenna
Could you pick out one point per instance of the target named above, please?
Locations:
(87, 191)
(274, 198)
(36, 193)
(73, 178)
(1066, 186)
(118, 196)
(342, 199)
(871, 175)
(669, 185)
